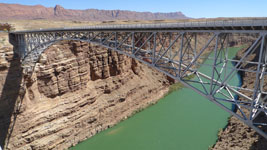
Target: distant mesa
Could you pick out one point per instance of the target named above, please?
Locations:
(24, 12)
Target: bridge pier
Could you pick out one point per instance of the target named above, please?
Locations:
(19, 43)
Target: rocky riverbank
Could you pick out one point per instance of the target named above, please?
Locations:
(77, 90)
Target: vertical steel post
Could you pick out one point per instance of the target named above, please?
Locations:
(195, 48)
(154, 48)
(214, 63)
(256, 85)
(181, 54)
(133, 44)
(170, 41)
(116, 40)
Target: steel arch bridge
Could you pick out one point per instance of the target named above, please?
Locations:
(178, 50)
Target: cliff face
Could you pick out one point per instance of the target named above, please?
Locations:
(15, 11)
(77, 90)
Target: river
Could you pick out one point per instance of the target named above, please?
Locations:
(183, 120)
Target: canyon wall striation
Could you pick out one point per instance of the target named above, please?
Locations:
(77, 90)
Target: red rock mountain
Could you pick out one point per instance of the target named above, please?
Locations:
(16, 11)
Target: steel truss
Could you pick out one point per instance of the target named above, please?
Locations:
(180, 55)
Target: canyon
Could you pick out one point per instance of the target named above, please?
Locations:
(77, 90)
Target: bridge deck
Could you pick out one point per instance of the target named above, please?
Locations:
(208, 25)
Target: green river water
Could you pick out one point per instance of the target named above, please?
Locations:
(183, 120)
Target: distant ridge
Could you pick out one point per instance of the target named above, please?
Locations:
(24, 12)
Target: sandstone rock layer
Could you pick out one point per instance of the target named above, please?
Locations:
(77, 90)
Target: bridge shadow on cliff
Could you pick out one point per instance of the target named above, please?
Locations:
(10, 95)
(261, 143)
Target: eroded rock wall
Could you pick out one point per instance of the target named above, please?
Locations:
(77, 90)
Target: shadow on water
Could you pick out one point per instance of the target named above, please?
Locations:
(10, 96)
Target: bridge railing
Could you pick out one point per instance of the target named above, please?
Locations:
(173, 25)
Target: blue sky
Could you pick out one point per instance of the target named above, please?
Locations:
(191, 8)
